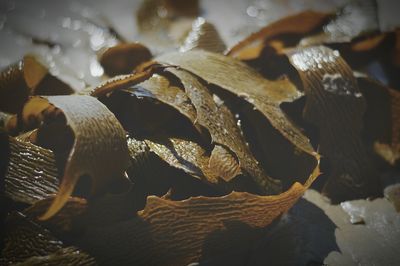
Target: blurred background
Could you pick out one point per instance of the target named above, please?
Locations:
(69, 33)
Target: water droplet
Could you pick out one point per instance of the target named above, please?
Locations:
(95, 69)
(336, 53)
(358, 94)
(252, 11)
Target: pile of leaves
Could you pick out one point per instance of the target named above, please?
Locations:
(187, 156)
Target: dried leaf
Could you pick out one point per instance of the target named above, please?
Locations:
(225, 134)
(27, 243)
(31, 173)
(185, 155)
(98, 138)
(30, 136)
(164, 130)
(295, 26)
(119, 82)
(27, 77)
(123, 58)
(235, 77)
(336, 106)
(159, 87)
(176, 151)
(138, 152)
(172, 165)
(254, 211)
(170, 232)
(225, 164)
(64, 219)
(203, 36)
(353, 30)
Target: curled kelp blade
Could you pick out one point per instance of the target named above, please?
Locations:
(139, 152)
(186, 155)
(173, 166)
(160, 88)
(260, 211)
(27, 243)
(190, 230)
(119, 82)
(203, 36)
(123, 58)
(64, 220)
(30, 76)
(145, 114)
(99, 140)
(356, 22)
(336, 106)
(289, 28)
(241, 80)
(31, 172)
(196, 104)
(225, 134)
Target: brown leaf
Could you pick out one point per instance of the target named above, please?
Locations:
(64, 219)
(160, 88)
(123, 58)
(27, 243)
(189, 235)
(31, 173)
(185, 155)
(164, 129)
(225, 164)
(180, 148)
(98, 138)
(336, 106)
(27, 77)
(295, 26)
(119, 82)
(236, 77)
(168, 232)
(225, 134)
(353, 30)
(203, 36)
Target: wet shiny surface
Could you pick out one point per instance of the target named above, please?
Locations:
(69, 34)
